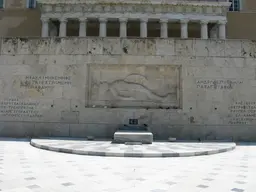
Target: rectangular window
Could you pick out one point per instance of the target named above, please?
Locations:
(31, 4)
(235, 5)
(1, 4)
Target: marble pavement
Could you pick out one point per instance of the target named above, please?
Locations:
(24, 168)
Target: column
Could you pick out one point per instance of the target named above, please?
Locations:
(103, 27)
(184, 28)
(164, 28)
(123, 27)
(222, 29)
(63, 27)
(82, 27)
(143, 27)
(45, 27)
(204, 29)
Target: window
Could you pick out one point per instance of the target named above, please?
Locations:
(2, 4)
(31, 4)
(235, 5)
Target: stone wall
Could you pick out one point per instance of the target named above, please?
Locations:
(90, 86)
(20, 22)
(240, 25)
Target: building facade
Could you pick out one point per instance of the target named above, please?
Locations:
(135, 19)
(85, 68)
(241, 20)
(24, 17)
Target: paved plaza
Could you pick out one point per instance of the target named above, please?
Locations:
(156, 149)
(24, 168)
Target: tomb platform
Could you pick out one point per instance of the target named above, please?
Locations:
(133, 133)
(107, 148)
(143, 137)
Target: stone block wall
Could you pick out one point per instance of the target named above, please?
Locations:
(78, 87)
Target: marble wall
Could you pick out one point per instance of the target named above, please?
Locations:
(90, 86)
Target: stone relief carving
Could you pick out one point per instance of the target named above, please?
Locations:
(128, 89)
(134, 87)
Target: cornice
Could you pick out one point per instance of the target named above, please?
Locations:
(219, 3)
(141, 8)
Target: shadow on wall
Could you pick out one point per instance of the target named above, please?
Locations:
(20, 23)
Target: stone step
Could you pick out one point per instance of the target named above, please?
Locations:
(133, 143)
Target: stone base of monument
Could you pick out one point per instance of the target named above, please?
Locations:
(133, 143)
(171, 139)
(90, 138)
(143, 137)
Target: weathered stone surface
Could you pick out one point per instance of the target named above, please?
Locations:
(51, 129)
(165, 47)
(184, 47)
(138, 47)
(112, 46)
(95, 46)
(249, 49)
(200, 48)
(17, 129)
(91, 86)
(70, 116)
(233, 48)
(216, 48)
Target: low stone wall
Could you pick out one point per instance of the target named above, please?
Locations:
(90, 86)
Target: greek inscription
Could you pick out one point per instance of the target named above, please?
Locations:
(226, 84)
(44, 82)
(242, 112)
(19, 108)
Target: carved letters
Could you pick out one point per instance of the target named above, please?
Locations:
(225, 84)
(242, 112)
(44, 82)
(19, 108)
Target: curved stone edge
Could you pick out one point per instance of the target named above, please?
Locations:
(118, 154)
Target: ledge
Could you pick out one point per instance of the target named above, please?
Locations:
(106, 148)
(170, 2)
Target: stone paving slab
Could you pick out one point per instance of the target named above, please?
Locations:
(25, 168)
(157, 149)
